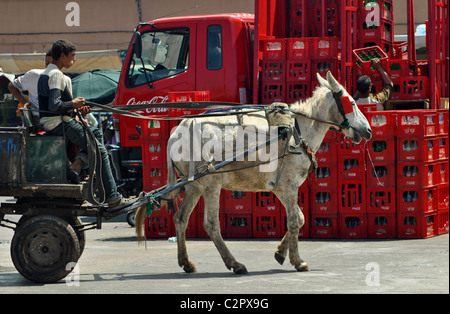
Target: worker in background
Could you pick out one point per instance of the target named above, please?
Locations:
(363, 94)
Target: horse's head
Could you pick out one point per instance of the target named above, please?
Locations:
(346, 113)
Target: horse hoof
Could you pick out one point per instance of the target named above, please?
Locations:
(240, 270)
(190, 269)
(279, 258)
(303, 267)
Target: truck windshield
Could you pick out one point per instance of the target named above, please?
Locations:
(165, 53)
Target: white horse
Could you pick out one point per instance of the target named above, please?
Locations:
(330, 103)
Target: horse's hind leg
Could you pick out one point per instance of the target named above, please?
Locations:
(181, 219)
(295, 220)
(211, 224)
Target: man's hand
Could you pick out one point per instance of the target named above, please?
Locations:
(377, 64)
(78, 102)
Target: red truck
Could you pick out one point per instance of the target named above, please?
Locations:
(270, 56)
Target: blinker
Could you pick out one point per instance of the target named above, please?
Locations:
(347, 105)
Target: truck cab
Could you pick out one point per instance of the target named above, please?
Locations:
(211, 53)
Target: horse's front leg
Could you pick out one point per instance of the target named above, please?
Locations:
(211, 224)
(295, 220)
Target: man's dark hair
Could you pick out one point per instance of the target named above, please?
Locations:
(49, 53)
(61, 46)
(363, 84)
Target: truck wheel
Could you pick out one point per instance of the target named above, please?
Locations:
(42, 247)
(130, 219)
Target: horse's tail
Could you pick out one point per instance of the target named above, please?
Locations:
(139, 219)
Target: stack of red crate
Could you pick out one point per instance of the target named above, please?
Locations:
(237, 206)
(417, 174)
(442, 169)
(351, 195)
(323, 190)
(299, 71)
(266, 218)
(376, 24)
(381, 175)
(273, 73)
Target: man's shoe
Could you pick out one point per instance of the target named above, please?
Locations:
(73, 177)
(124, 202)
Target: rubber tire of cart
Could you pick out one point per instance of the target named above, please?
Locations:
(43, 247)
(74, 222)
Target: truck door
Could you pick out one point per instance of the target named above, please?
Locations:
(222, 59)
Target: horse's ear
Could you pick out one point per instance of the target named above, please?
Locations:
(335, 86)
(322, 81)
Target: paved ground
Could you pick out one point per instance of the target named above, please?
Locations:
(114, 263)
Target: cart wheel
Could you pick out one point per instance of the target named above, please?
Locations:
(130, 219)
(42, 247)
(74, 222)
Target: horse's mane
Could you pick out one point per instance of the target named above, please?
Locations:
(308, 106)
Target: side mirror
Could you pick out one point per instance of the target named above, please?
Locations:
(138, 45)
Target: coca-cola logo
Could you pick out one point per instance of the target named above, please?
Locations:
(154, 100)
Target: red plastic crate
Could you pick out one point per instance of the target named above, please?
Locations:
(347, 148)
(265, 202)
(417, 226)
(443, 221)
(442, 172)
(399, 68)
(415, 87)
(416, 123)
(154, 176)
(154, 152)
(365, 108)
(154, 130)
(298, 70)
(416, 174)
(273, 92)
(381, 174)
(297, 27)
(266, 225)
(297, 90)
(382, 123)
(381, 226)
(385, 7)
(363, 60)
(385, 45)
(273, 70)
(400, 50)
(415, 148)
(352, 197)
(201, 233)
(353, 226)
(323, 201)
(239, 226)
(417, 200)
(381, 200)
(324, 48)
(322, 66)
(237, 202)
(352, 167)
(381, 149)
(298, 48)
(441, 147)
(324, 226)
(443, 196)
(383, 31)
(303, 232)
(274, 49)
(443, 119)
(325, 176)
(327, 152)
(159, 225)
(187, 96)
